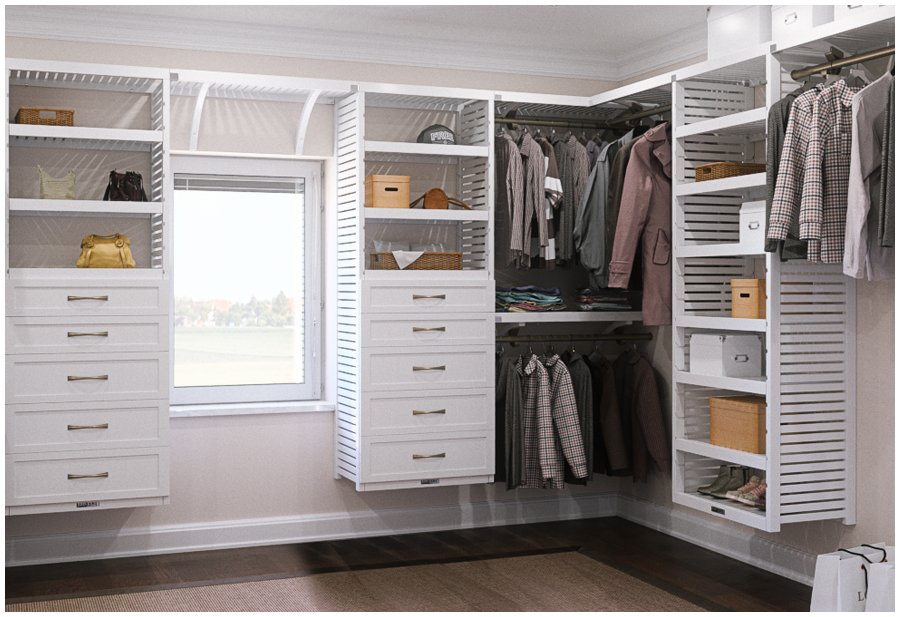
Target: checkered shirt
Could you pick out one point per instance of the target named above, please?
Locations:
(826, 181)
(789, 185)
(568, 436)
(536, 408)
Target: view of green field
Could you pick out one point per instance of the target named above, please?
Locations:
(223, 356)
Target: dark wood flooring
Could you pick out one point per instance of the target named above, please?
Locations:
(693, 573)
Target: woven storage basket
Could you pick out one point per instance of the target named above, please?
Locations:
(714, 171)
(428, 261)
(32, 115)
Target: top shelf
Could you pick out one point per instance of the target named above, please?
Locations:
(743, 123)
(86, 134)
(400, 147)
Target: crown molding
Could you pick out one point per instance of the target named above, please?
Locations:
(96, 25)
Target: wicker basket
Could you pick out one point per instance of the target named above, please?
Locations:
(714, 171)
(428, 261)
(32, 115)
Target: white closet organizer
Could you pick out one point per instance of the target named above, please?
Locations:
(720, 111)
(415, 354)
(87, 351)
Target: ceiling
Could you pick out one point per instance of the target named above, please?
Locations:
(610, 42)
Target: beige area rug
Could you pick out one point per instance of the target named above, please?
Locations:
(555, 582)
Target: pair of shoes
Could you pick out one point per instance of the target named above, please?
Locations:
(753, 497)
(736, 494)
(737, 477)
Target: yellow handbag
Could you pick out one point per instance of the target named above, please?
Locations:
(113, 251)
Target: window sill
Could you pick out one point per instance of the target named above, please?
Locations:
(244, 409)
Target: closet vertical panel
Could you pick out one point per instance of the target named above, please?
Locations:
(349, 131)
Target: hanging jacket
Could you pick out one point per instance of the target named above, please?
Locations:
(611, 454)
(584, 402)
(589, 232)
(510, 426)
(886, 201)
(510, 196)
(792, 247)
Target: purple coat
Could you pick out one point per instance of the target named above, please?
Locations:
(645, 221)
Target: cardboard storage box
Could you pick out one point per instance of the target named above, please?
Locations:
(748, 298)
(726, 355)
(738, 422)
(387, 192)
(731, 28)
(753, 226)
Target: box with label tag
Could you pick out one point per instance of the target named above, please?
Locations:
(753, 226)
(726, 355)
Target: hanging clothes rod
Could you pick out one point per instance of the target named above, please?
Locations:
(842, 62)
(568, 338)
(586, 124)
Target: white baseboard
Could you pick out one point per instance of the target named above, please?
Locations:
(748, 548)
(59, 548)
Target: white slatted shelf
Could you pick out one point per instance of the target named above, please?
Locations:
(87, 274)
(568, 316)
(399, 276)
(723, 185)
(748, 122)
(388, 215)
(716, 250)
(751, 386)
(85, 133)
(400, 147)
(738, 512)
(720, 323)
(729, 455)
(84, 207)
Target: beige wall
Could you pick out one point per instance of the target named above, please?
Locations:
(255, 467)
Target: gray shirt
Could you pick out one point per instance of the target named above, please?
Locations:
(886, 200)
(590, 223)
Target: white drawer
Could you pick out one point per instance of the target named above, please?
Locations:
(48, 478)
(59, 297)
(426, 296)
(384, 369)
(394, 413)
(39, 378)
(384, 330)
(85, 426)
(86, 334)
(386, 459)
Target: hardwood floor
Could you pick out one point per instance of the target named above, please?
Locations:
(693, 573)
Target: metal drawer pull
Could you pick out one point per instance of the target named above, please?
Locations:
(70, 298)
(429, 368)
(439, 297)
(98, 377)
(441, 329)
(75, 427)
(441, 455)
(71, 334)
(753, 225)
(742, 358)
(73, 476)
(424, 413)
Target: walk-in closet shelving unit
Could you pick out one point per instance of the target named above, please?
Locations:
(87, 350)
(415, 352)
(809, 333)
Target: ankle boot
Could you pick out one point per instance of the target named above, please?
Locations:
(719, 482)
(736, 481)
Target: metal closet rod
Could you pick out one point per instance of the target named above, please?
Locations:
(555, 338)
(836, 64)
(586, 124)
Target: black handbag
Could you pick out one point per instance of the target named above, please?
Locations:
(128, 186)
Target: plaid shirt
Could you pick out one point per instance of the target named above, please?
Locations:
(826, 181)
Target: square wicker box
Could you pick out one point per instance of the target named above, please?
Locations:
(46, 116)
(428, 261)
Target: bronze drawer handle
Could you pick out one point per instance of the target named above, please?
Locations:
(71, 334)
(425, 413)
(439, 297)
(429, 368)
(73, 476)
(98, 377)
(105, 298)
(76, 427)
(441, 329)
(441, 455)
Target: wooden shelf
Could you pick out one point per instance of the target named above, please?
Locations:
(567, 316)
(388, 215)
(748, 122)
(755, 385)
(724, 185)
(721, 323)
(400, 147)
(85, 207)
(728, 455)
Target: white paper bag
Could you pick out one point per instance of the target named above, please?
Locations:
(880, 598)
(841, 577)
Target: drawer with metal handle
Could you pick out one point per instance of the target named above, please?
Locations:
(415, 411)
(43, 378)
(80, 426)
(427, 296)
(407, 457)
(391, 369)
(40, 478)
(50, 297)
(383, 330)
(55, 335)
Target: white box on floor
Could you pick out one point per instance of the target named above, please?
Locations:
(788, 20)
(726, 355)
(732, 28)
(753, 226)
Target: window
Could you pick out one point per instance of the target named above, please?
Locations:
(246, 283)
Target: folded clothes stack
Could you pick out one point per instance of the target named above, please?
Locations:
(603, 300)
(528, 299)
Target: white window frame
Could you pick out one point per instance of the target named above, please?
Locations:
(214, 400)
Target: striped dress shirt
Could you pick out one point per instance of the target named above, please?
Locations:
(510, 203)
(533, 166)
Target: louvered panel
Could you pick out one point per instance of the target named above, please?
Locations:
(705, 100)
(474, 124)
(704, 289)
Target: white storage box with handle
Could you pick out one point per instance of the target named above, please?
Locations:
(753, 226)
(792, 19)
(730, 28)
(726, 355)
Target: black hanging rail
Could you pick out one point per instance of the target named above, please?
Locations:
(569, 338)
(842, 62)
(586, 124)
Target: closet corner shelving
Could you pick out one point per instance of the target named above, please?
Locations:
(87, 351)
(809, 334)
